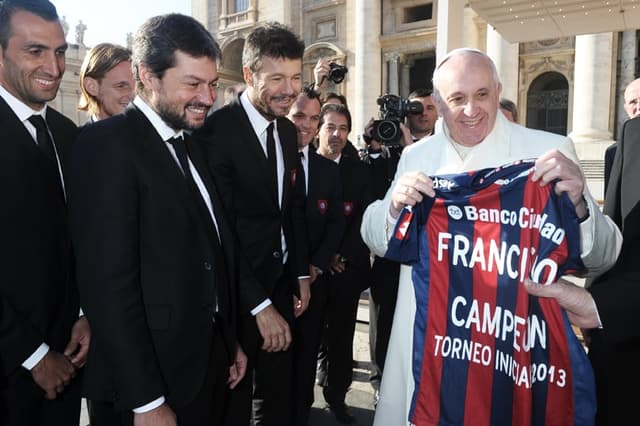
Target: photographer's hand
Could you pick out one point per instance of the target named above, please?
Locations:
(320, 72)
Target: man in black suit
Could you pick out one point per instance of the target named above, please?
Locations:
(156, 258)
(252, 153)
(609, 308)
(632, 108)
(325, 228)
(42, 341)
(350, 267)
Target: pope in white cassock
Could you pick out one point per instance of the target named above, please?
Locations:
(471, 135)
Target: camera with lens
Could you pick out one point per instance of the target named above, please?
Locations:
(393, 110)
(337, 72)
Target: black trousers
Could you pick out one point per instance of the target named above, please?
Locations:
(22, 402)
(263, 397)
(306, 340)
(384, 294)
(342, 308)
(206, 409)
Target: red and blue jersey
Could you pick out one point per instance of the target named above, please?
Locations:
(485, 352)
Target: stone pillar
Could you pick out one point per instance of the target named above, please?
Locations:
(592, 87)
(392, 60)
(505, 55)
(450, 28)
(628, 51)
(368, 14)
(405, 78)
(593, 101)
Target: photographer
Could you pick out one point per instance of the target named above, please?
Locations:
(327, 71)
(382, 159)
(422, 124)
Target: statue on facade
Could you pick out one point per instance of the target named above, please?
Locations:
(130, 41)
(80, 29)
(65, 26)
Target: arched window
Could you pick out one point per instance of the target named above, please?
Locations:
(547, 103)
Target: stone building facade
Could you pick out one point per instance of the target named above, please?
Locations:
(569, 85)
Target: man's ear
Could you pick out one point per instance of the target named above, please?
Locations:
(147, 77)
(248, 76)
(92, 86)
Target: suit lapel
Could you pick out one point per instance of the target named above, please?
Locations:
(251, 150)
(161, 158)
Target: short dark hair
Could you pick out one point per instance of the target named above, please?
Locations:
(421, 92)
(271, 39)
(158, 39)
(101, 59)
(310, 93)
(42, 8)
(334, 95)
(340, 109)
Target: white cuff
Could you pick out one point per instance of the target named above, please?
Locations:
(150, 406)
(255, 311)
(36, 357)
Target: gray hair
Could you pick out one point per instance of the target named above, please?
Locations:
(463, 51)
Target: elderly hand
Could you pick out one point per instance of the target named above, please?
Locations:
(577, 301)
(555, 165)
(409, 190)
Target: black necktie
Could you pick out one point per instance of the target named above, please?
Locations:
(46, 146)
(303, 174)
(43, 138)
(272, 161)
(180, 147)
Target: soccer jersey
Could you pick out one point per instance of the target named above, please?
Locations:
(485, 352)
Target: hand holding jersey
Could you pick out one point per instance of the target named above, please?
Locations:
(552, 165)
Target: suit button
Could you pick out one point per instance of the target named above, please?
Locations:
(207, 266)
(276, 254)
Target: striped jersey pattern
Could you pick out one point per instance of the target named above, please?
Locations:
(484, 351)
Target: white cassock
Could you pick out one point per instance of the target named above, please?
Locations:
(599, 237)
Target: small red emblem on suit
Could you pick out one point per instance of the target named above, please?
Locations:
(348, 208)
(293, 174)
(323, 205)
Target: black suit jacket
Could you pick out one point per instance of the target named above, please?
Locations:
(239, 167)
(357, 193)
(622, 205)
(324, 210)
(38, 294)
(609, 155)
(148, 271)
(614, 350)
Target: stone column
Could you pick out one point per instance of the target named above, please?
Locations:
(405, 77)
(593, 101)
(450, 28)
(593, 71)
(368, 15)
(506, 56)
(393, 82)
(627, 72)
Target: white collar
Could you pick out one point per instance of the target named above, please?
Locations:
(258, 122)
(161, 127)
(19, 108)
